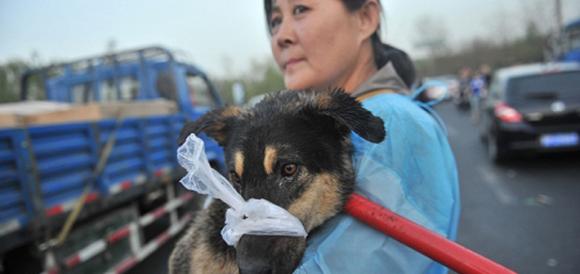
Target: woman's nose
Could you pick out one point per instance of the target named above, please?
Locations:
(285, 35)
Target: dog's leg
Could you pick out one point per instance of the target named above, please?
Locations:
(202, 250)
(180, 259)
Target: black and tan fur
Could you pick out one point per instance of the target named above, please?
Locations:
(293, 149)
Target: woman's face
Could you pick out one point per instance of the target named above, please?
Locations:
(316, 43)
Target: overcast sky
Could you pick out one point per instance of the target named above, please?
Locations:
(223, 36)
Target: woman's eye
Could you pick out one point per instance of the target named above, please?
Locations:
(299, 9)
(275, 22)
(289, 170)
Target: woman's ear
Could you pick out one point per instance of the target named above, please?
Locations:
(217, 124)
(368, 18)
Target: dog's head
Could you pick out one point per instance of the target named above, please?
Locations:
(292, 149)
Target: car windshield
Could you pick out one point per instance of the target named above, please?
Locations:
(539, 91)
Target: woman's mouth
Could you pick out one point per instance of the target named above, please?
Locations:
(292, 62)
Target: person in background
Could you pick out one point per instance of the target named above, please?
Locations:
(464, 87)
(485, 70)
(336, 43)
(478, 89)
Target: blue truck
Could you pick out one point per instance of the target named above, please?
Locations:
(99, 196)
(567, 48)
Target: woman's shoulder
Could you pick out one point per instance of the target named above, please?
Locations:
(396, 109)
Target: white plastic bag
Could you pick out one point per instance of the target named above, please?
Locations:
(254, 217)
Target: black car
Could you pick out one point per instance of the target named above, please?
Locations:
(532, 108)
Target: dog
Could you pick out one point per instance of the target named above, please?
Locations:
(293, 149)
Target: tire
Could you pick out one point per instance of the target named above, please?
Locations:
(483, 137)
(482, 130)
(495, 152)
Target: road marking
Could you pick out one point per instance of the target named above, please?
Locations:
(493, 181)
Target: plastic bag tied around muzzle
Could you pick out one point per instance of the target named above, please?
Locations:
(254, 217)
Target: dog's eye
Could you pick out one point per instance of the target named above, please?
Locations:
(289, 170)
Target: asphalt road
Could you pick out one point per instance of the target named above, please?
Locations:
(524, 214)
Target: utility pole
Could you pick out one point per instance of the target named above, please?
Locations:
(559, 20)
(556, 41)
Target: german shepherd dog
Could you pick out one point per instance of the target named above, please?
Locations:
(293, 149)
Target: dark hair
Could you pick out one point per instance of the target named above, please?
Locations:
(383, 53)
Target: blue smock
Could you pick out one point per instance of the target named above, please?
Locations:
(413, 173)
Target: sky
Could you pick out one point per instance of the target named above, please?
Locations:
(224, 36)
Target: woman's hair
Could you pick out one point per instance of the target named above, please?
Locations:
(383, 53)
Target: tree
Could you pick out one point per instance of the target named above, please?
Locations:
(10, 73)
(431, 36)
(262, 77)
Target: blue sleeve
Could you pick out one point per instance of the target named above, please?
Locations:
(411, 172)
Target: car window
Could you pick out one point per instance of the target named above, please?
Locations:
(82, 93)
(574, 39)
(108, 92)
(129, 88)
(544, 89)
(494, 89)
(198, 92)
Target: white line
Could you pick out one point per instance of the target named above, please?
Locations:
(92, 250)
(502, 194)
(152, 245)
(146, 220)
(134, 238)
(147, 250)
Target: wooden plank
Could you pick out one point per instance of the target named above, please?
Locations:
(74, 114)
(41, 113)
(8, 120)
(138, 108)
(32, 107)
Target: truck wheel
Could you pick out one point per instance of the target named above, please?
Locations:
(21, 260)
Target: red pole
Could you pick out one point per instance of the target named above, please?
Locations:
(438, 248)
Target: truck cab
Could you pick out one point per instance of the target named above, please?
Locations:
(121, 170)
(565, 47)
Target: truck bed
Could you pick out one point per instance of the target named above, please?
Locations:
(43, 169)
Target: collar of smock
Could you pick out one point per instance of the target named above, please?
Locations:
(384, 78)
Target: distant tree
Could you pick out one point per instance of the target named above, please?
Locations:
(501, 26)
(10, 73)
(262, 77)
(431, 35)
(512, 40)
(537, 13)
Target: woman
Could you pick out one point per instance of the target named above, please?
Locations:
(335, 43)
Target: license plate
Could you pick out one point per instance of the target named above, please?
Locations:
(559, 140)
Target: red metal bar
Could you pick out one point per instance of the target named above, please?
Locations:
(438, 248)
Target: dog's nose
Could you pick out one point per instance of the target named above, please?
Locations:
(253, 254)
(253, 263)
(255, 270)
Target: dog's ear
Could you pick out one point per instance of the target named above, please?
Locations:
(217, 124)
(348, 112)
